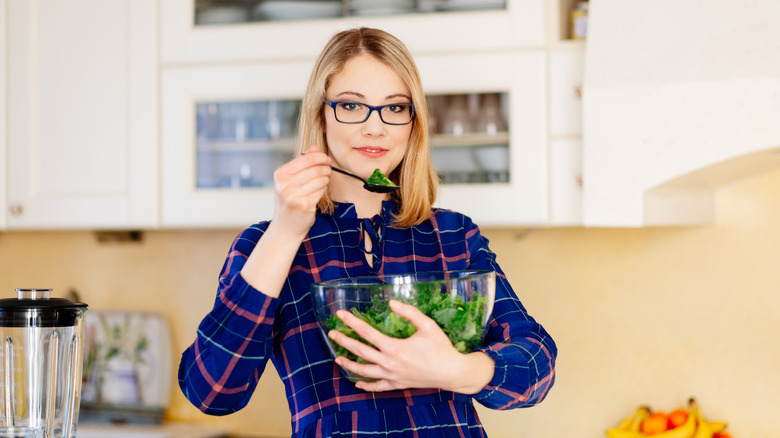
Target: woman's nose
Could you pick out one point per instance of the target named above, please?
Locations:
(374, 124)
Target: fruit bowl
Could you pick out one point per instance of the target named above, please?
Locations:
(459, 301)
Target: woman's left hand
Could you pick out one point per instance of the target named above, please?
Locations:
(426, 359)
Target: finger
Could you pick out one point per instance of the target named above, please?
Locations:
(362, 369)
(407, 311)
(312, 148)
(364, 329)
(316, 160)
(315, 153)
(375, 386)
(356, 347)
(314, 188)
(302, 180)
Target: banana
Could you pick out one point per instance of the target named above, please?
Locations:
(705, 429)
(685, 430)
(633, 421)
(696, 426)
(629, 427)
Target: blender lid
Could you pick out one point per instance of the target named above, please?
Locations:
(35, 307)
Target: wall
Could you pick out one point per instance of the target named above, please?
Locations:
(641, 316)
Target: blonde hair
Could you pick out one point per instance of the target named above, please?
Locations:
(415, 174)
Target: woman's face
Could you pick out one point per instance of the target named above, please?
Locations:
(373, 144)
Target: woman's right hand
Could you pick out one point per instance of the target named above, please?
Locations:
(300, 184)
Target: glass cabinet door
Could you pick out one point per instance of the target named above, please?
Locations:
(240, 143)
(470, 137)
(244, 31)
(218, 12)
(224, 130)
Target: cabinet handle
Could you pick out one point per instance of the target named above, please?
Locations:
(16, 209)
(578, 91)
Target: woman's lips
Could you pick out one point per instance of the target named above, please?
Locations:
(371, 151)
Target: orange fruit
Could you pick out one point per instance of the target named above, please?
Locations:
(677, 417)
(655, 423)
(722, 435)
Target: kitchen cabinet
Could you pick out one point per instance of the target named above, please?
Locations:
(81, 113)
(566, 182)
(565, 69)
(184, 204)
(231, 64)
(3, 109)
(520, 24)
(565, 66)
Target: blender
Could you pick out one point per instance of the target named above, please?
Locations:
(41, 344)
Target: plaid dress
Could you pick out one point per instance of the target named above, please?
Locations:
(219, 372)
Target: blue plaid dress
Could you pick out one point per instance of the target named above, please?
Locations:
(219, 372)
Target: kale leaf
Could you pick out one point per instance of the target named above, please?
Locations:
(379, 179)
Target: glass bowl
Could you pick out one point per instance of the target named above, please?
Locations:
(459, 301)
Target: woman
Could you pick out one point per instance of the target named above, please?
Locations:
(364, 109)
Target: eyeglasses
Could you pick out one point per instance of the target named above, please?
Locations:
(355, 112)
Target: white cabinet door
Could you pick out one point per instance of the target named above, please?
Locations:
(565, 130)
(183, 203)
(566, 70)
(523, 200)
(566, 182)
(520, 24)
(82, 118)
(3, 110)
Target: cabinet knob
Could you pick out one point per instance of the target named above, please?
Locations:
(16, 209)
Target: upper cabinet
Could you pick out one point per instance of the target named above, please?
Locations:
(475, 25)
(680, 98)
(3, 108)
(81, 114)
(94, 93)
(229, 94)
(225, 128)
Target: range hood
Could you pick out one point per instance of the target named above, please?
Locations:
(680, 97)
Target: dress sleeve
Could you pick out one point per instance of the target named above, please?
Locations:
(219, 372)
(523, 351)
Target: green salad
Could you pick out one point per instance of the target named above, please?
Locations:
(460, 320)
(379, 179)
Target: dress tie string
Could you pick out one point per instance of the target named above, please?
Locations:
(373, 227)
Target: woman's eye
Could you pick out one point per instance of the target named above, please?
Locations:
(396, 108)
(350, 106)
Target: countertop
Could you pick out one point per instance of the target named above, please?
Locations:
(166, 430)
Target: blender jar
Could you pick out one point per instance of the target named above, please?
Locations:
(41, 344)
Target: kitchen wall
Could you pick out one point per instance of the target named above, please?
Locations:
(641, 316)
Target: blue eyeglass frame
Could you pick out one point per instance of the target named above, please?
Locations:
(333, 103)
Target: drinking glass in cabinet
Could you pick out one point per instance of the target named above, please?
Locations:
(220, 12)
(456, 119)
(240, 144)
(490, 120)
(470, 137)
(472, 165)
